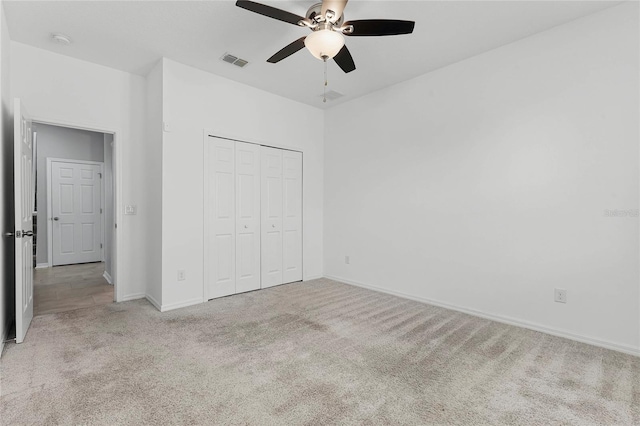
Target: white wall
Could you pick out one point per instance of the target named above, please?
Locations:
(195, 100)
(109, 204)
(154, 183)
(59, 142)
(73, 92)
(484, 185)
(7, 291)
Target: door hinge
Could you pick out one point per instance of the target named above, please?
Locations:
(100, 211)
(100, 174)
(100, 245)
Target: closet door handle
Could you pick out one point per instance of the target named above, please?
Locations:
(56, 218)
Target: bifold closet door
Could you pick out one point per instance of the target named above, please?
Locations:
(220, 208)
(272, 205)
(253, 217)
(292, 216)
(281, 216)
(247, 217)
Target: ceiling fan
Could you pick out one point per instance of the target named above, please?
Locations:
(326, 22)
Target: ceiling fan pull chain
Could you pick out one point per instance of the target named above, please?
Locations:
(324, 93)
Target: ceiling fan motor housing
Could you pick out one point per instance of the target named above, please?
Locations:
(315, 12)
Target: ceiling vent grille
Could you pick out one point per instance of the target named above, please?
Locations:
(234, 60)
(332, 95)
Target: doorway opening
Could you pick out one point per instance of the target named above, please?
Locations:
(73, 218)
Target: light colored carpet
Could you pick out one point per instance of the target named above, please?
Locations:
(312, 353)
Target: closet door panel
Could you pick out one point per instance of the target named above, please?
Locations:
(271, 211)
(247, 217)
(220, 199)
(292, 216)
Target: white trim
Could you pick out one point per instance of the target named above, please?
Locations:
(42, 265)
(154, 302)
(72, 125)
(107, 277)
(313, 277)
(237, 138)
(500, 318)
(67, 160)
(172, 306)
(50, 161)
(134, 296)
(205, 215)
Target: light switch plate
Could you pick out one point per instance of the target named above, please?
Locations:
(130, 209)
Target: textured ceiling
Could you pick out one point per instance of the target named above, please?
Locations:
(133, 35)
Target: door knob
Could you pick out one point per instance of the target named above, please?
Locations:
(245, 227)
(56, 218)
(273, 225)
(27, 234)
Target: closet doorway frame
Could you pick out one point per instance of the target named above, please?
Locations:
(208, 133)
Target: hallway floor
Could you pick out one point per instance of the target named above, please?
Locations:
(70, 287)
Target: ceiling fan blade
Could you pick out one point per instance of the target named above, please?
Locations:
(379, 27)
(337, 6)
(344, 60)
(271, 12)
(287, 51)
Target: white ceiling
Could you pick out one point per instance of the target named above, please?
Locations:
(133, 35)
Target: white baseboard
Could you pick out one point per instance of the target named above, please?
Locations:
(154, 302)
(313, 277)
(499, 318)
(134, 296)
(42, 265)
(107, 277)
(172, 306)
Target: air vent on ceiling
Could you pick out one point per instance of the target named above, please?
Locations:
(332, 95)
(234, 60)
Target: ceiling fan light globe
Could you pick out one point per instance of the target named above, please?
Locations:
(324, 43)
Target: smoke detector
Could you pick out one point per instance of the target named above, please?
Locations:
(61, 39)
(234, 60)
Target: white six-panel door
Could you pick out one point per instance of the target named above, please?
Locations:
(76, 225)
(247, 217)
(253, 217)
(23, 187)
(220, 211)
(292, 216)
(272, 206)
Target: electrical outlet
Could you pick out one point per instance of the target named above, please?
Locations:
(347, 260)
(561, 295)
(182, 275)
